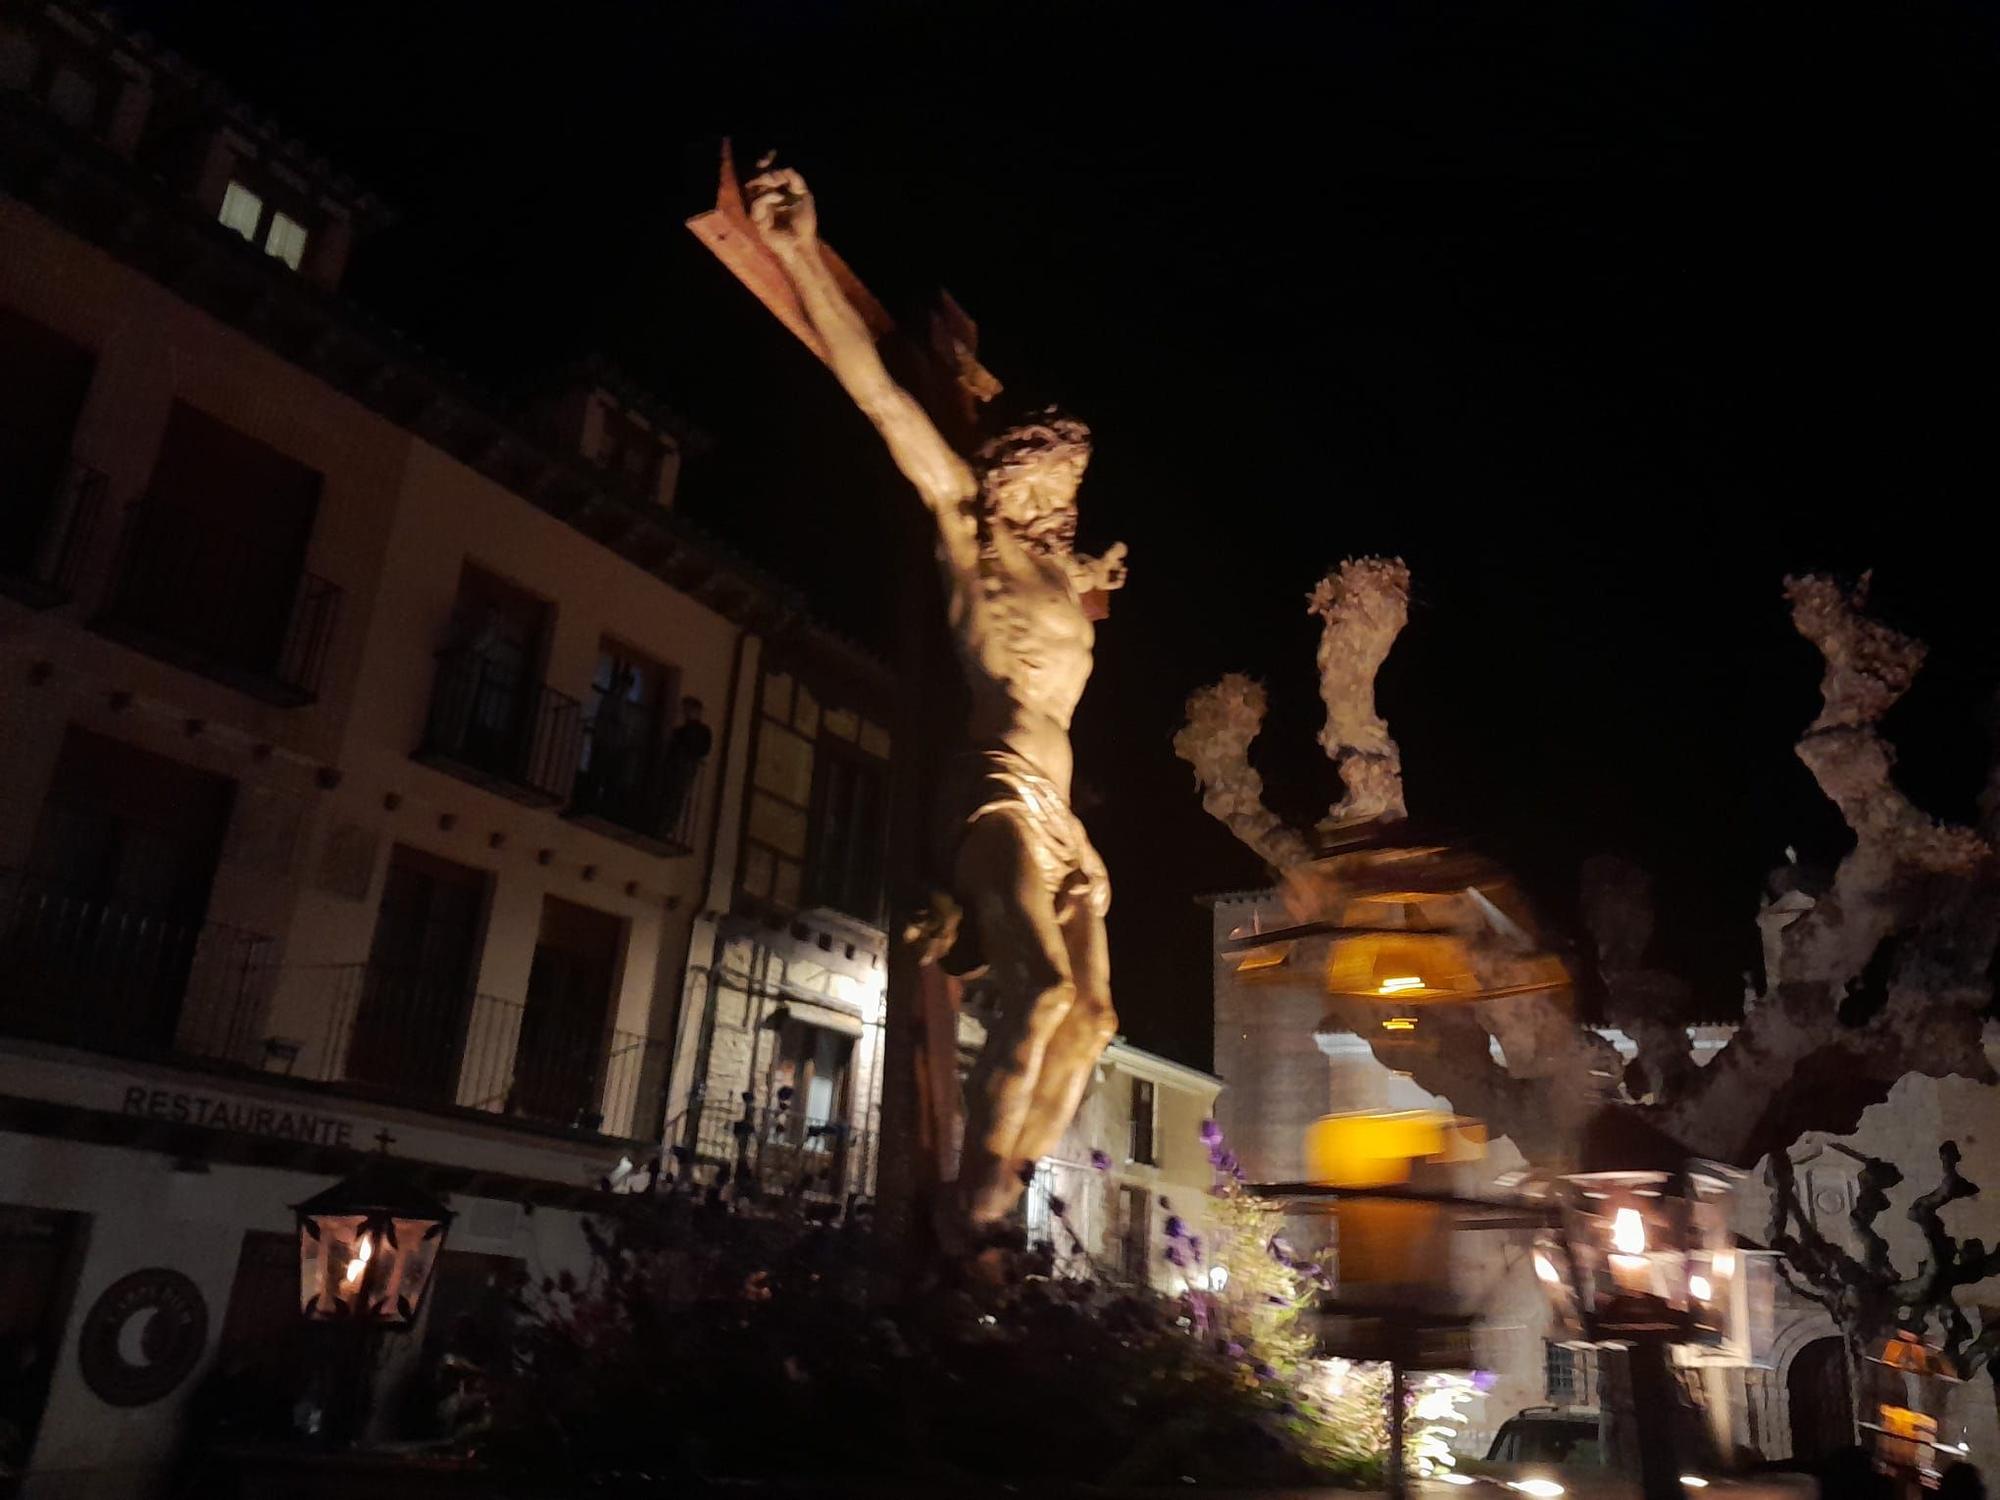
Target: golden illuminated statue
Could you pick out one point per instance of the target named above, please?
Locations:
(1022, 867)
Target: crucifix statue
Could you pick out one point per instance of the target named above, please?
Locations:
(1029, 891)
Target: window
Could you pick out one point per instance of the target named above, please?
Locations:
(109, 917)
(287, 240)
(559, 1062)
(819, 806)
(1569, 1374)
(850, 824)
(242, 210)
(812, 1063)
(1135, 1233)
(416, 991)
(215, 554)
(1142, 1122)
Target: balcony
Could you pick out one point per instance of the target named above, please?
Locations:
(411, 1040)
(494, 727)
(646, 801)
(46, 525)
(83, 971)
(231, 607)
(785, 1154)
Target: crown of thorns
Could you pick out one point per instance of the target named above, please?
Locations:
(1049, 434)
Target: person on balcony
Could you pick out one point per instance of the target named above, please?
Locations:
(687, 748)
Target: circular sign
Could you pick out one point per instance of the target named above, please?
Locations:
(142, 1337)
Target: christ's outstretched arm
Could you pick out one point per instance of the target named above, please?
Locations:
(782, 210)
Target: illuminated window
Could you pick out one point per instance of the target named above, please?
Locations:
(242, 210)
(287, 239)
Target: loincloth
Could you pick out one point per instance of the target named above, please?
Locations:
(999, 783)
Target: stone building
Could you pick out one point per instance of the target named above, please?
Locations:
(355, 786)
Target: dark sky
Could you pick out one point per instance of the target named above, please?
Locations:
(1603, 316)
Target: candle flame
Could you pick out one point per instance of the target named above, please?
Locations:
(1628, 1232)
(359, 1265)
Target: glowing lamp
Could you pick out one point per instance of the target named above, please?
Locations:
(1906, 1410)
(1643, 1254)
(368, 1246)
(1410, 968)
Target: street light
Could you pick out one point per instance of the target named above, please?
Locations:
(1644, 1254)
(368, 1246)
(1907, 1394)
(1640, 1255)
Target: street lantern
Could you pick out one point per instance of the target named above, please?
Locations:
(1637, 1252)
(367, 1247)
(1644, 1255)
(1906, 1388)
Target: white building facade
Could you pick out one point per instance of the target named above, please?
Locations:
(380, 767)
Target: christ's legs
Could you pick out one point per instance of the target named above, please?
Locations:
(1029, 968)
(1078, 1042)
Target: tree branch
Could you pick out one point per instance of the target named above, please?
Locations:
(1222, 721)
(1363, 604)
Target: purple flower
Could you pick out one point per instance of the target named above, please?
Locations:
(1483, 1381)
(1194, 1246)
(1211, 1133)
(1101, 1160)
(1281, 1251)
(1263, 1371)
(1176, 1230)
(1229, 1164)
(1058, 1207)
(1312, 1269)
(1174, 1256)
(1233, 1349)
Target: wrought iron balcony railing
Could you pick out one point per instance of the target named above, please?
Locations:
(779, 1148)
(491, 725)
(48, 516)
(414, 1040)
(84, 971)
(234, 608)
(641, 797)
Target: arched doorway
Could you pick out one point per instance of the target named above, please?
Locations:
(1820, 1400)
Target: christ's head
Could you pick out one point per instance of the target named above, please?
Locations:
(1028, 478)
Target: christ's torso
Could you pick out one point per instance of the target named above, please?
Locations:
(1026, 643)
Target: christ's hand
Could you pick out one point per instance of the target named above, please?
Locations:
(781, 207)
(1108, 571)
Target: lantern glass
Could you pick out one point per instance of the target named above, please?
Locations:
(332, 1270)
(1651, 1253)
(1908, 1411)
(368, 1246)
(1557, 1279)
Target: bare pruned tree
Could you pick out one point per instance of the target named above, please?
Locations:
(1913, 910)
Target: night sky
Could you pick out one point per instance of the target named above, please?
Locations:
(1603, 316)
